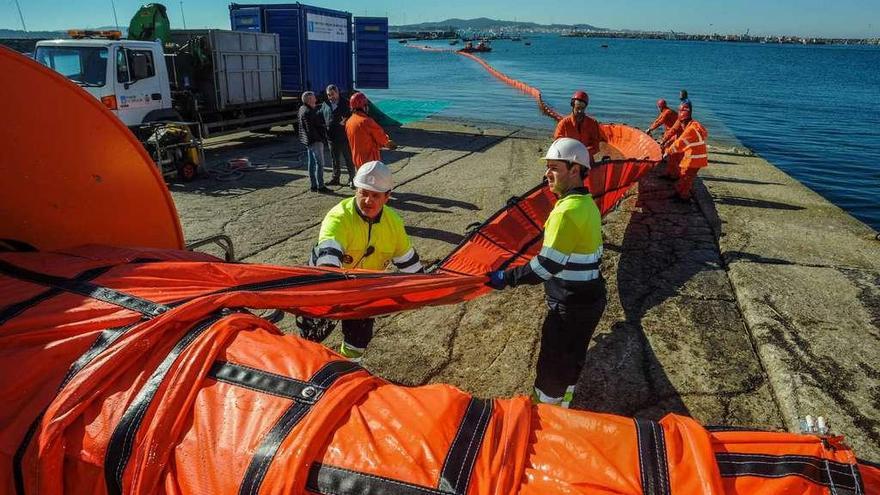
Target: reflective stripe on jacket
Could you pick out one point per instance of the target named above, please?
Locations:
(569, 260)
(365, 137)
(346, 237)
(692, 143)
(587, 131)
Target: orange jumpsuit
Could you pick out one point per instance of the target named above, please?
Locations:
(365, 137)
(587, 132)
(667, 119)
(692, 145)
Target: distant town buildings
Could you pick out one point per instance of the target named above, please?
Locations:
(742, 38)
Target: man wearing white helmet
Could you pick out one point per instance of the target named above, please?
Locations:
(362, 232)
(568, 265)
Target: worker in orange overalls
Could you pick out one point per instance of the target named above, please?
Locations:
(579, 125)
(692, 145)
(667, 117)
(365, 136)
(673, 159)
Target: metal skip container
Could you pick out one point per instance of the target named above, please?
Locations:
(242, 69)
(316, 45)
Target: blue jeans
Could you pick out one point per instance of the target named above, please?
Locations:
(315, 158)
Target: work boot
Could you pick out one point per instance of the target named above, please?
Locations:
(325, 190)
(353, 354)
(333, 182)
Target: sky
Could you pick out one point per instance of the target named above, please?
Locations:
(822, 18)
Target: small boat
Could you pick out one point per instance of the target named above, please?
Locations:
(604, 46)
(528, 43)
(402, 42)
(516, 38)
(481, 47)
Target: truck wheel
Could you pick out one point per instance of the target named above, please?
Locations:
(163, 115)
(187, 171)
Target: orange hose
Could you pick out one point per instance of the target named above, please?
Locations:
(535, 93)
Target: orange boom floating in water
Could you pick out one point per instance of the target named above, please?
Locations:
(138, 370)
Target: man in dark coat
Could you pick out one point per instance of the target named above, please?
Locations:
(313, 134)
(336, 112)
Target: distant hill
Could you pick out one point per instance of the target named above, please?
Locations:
(484, 23)
(19, 34)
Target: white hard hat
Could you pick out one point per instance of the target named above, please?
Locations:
(569, 150)
(374, 176)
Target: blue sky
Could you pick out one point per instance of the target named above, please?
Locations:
(843, 18)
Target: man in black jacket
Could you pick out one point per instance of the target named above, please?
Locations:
(313, 134)
(336, 112)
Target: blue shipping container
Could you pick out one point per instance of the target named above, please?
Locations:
(316, 43)
(371, 52)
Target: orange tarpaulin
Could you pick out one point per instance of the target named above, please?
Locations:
(140, 372)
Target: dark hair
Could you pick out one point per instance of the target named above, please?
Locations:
(584, 169)
(684, 93)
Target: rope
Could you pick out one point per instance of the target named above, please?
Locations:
(235, 169)
(535, 93)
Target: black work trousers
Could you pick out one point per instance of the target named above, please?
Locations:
(358, 333)
(339, 149)
(564, 339)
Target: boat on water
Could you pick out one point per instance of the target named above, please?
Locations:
(528, 43)
(402, 42)
(604, 46)
(479, 48)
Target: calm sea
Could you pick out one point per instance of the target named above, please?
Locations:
(813, 111)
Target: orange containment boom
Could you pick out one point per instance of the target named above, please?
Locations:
(139, 372)
(72, 172)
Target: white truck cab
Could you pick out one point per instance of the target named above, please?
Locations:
(129, 77)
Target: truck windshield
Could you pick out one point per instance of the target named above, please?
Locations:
(84, 65)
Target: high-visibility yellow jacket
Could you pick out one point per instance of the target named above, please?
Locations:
(692, 143)
(349, 240)
(569, 260)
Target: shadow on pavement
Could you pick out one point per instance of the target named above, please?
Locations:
(419, 203)
(755, 203)
(739, 181)
(239, 184)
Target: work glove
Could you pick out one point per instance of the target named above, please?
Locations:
(496, 280)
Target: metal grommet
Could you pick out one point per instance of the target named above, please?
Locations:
(309, 392)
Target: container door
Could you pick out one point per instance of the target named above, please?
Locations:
(287, 23)
(371, 52)
(328, 49)
(246, 19)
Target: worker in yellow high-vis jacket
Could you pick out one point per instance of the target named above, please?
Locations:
(363, 232)
(568, 265)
